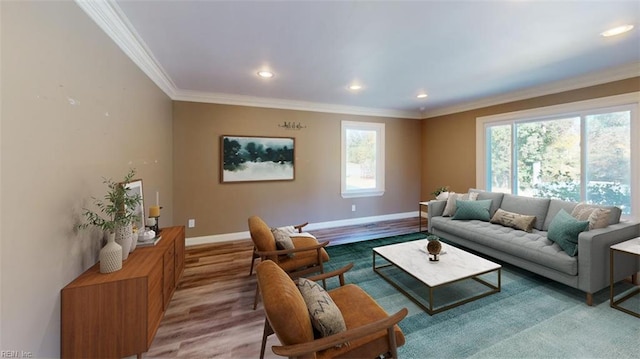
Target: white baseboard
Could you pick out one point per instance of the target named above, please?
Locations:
(228, 237)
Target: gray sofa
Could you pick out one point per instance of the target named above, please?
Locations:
(588, 271)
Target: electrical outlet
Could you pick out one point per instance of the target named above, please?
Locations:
(353, 208)
(192, 223)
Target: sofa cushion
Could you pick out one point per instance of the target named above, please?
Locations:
(450, 208)
(325, 314)
(527, 205)
(534, 246)
(555, 205)
(513, 220)
(495, 197)
(564, 230)
(472, 210)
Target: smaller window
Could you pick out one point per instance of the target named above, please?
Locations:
(362, 170)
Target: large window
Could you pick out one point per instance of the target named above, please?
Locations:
(362, 159)
(575, 152)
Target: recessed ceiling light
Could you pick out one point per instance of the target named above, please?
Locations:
(617, 30)
(422, 95)
(265, 74)
(355, 87)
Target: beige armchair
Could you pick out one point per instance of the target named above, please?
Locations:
(308, 255)
(371, 332)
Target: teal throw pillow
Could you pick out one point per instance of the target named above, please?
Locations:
(564, 230)
(473, 210)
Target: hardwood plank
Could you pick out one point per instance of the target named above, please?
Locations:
(211, 312)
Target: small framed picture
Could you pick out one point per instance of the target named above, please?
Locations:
(135, 187)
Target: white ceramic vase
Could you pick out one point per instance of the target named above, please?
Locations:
(124, 237)
(111, 255)
(134, 242)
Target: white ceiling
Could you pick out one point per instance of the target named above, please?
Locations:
(464, 54)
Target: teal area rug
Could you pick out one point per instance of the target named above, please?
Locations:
(532, 317)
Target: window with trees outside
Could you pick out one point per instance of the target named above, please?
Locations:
(575, 152)
(362, 171)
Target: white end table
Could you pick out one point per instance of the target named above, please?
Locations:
(420, 205)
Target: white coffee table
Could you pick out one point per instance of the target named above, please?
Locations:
(455, 265)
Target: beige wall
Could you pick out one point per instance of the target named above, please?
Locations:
(448, 142)
(74, 109)
(313, 196)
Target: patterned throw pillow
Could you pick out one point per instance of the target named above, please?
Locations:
(564, 230)
(325, 314)
(597, 217)
(514, 220)
(473, 210)
(283, 240)
(450, 207)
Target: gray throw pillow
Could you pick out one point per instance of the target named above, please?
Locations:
(325, 314)
(283, 240)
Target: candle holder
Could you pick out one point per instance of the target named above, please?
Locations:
(154, 213)
(156, 227)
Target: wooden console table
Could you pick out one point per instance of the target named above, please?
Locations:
(117, 314)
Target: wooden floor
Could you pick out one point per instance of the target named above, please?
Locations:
(211, 315)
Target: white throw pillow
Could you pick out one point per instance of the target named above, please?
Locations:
(283, 240)
(450, 207)
(597, 217)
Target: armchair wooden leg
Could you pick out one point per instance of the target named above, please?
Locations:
(590, 299)
(253, 261)
(393, 347)
(267, 331)
(255, 300)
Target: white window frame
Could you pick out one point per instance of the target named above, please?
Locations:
(574, 108)
(380, 158)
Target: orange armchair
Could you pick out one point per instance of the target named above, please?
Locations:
(371, 332)
(255, 255)
(309, 255)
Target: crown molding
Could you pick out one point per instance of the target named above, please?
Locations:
(110, 18)
(591, 79)
(266, 102)
(108, 15)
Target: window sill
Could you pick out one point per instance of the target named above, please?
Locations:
(353, 194)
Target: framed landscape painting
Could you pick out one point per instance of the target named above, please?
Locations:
(251, 158)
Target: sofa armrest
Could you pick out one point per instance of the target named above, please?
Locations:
(435, 209)
(593, 255)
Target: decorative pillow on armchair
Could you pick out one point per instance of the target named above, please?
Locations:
(283, 239)
(326, 317)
